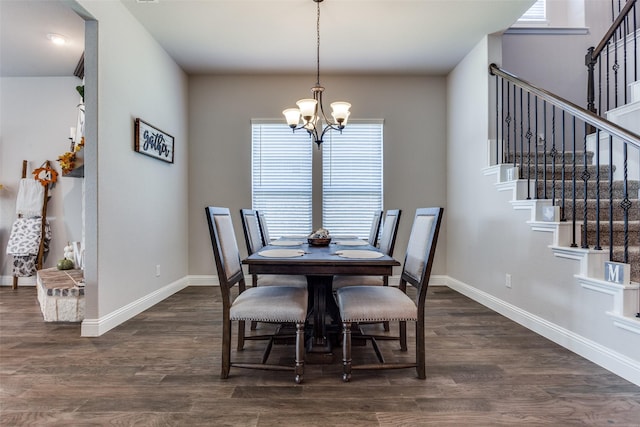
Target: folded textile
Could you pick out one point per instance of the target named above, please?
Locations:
(30, 198)
(25, 266)
(25, 236)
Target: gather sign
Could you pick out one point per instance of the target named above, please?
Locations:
(153, 142)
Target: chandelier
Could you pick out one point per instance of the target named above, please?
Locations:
(311, 110)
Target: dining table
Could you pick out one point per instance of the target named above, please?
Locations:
(295, 256)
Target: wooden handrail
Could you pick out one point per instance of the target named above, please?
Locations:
(579, 112)
(614, 27)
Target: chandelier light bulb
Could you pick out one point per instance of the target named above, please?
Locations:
(307, 108)
(293, 116)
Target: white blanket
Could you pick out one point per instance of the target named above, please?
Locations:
(30, 198)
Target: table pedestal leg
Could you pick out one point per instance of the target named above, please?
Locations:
(320, 288)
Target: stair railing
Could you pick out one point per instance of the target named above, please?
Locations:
(568, 157)
(616, 59)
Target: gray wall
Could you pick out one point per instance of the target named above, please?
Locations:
(135, 204)
(555, 61)
(222, 106)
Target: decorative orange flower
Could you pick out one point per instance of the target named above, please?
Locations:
(45, 175)
(67, 162)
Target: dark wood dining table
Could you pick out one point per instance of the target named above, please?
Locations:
(319, 264)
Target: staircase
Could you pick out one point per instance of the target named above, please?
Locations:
(594, 227)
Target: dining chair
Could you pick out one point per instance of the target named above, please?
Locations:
(358, 304)
(375, 228)
(254, 239)
(386, 245)
(269, 304)
(264, 229)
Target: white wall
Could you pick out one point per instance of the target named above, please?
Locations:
(221, 108)
(35, 116)
(136, 205)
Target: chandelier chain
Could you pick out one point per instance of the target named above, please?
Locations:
(318, 44)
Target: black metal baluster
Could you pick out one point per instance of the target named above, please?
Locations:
(498, 121)
(599, 87)
(616, 67)
(635, 43)
(624, 58)
(608, 80)
(626, 203)
(507, 120)
(597, 154)
(528, 145)
(544, 148)
(536, 164)
(553, 153)
(573, 186)
(585, 179)
(515, 126)
(521, 137)
(610, 197)
(564, 164)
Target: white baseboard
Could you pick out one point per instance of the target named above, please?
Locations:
(613, 361)
(22, 281)
(203, 280)
(97, 327)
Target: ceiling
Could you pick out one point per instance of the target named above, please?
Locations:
(260, 36)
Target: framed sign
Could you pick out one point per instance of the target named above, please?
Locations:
(152, 141)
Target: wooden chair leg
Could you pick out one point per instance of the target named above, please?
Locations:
(299, 369)
(420, 352)
(346, 352)
(241, 327)
(403, 336)
(226, 349)
(15, 282)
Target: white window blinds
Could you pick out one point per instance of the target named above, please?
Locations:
(352, 178)
(537, 12)
(281, 177)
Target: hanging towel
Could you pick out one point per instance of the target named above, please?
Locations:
(30, 198)
(25, 236)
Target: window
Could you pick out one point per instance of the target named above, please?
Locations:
(352, 178)
(282, 177)
(537, 12)
(552, 17)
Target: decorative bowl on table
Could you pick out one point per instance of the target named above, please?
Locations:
(320, 237)
(319, 241)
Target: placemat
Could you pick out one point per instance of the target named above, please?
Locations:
(286, 243)
(281, 253)
(352, 243)
(354, 253)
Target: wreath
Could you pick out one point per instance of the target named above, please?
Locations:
(46, 175)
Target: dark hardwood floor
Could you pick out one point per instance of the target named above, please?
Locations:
(162, 369)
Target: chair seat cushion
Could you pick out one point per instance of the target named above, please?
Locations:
(282, 280)
(342, 281)
(375, 304)
(277, 304)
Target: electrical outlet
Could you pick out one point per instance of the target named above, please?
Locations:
(507, 280)
(158, 270)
